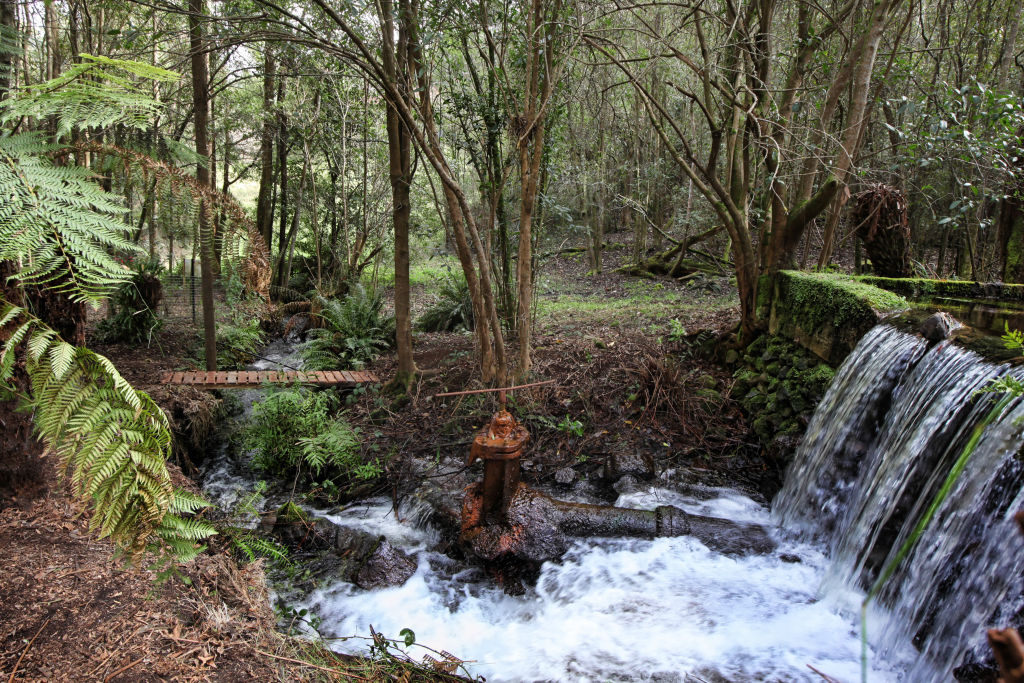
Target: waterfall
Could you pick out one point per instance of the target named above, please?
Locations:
(876, 452)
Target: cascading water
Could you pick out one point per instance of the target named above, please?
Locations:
(860, 488)
(670, 609)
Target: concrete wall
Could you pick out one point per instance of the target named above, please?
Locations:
(823, 312)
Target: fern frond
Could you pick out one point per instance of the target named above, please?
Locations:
(112, 441)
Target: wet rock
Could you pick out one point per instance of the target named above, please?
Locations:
(296, 327)
(627, 484)
(789, 558)
(342, 553)
(565, 476)
(939, 326)
(640, 465)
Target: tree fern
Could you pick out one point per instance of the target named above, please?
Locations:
(59, 222)
(97, 92)
(112, 441)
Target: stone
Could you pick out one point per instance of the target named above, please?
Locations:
(565, 476)
(340, 552)
(627, 484)
(619, 464)
(939, 326)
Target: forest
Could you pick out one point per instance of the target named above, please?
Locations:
(520, 340)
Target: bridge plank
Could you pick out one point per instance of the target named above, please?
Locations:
(229, 379)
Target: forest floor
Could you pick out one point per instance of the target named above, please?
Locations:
(633, 381)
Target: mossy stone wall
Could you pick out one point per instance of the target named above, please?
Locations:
(823, 312)
(917, 288)
(779, 384)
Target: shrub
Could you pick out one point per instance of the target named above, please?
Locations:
(453, 311)
(133, 306)
(350, 332)
(238, 341)
(292, 430)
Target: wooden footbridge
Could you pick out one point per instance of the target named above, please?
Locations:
(250, 379)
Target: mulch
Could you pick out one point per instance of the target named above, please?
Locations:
(69, 611)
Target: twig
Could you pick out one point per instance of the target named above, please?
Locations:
(313, 666)
(25, 651)
(122, 669)
(824, 675)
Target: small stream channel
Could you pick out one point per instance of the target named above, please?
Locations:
(671, 609)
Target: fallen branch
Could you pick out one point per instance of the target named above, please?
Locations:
(25, 651)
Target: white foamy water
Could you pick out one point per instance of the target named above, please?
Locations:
(667, 609)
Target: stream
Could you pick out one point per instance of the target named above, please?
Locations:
(671, 609)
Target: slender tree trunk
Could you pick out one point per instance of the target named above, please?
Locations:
(264, 212)
(8, 43)
(856, 119)
(282, 170)
(284, 259)
(201, 102)
(398, 60)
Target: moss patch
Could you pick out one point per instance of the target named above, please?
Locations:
(779, 384)
(827, 313)
(916, 288)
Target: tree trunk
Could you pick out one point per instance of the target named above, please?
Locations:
(264, 212)
(201, 104)
(282, 172)
(8, 43)
(284, 259)
(398, 60)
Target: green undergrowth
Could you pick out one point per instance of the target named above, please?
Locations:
(645, 302)
(779, 384)
(298, 434)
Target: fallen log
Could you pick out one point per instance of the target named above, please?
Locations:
(673, 262)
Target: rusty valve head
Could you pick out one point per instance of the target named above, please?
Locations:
(503, 439)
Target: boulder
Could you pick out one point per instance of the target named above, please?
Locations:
(336, 552)
(939, 326)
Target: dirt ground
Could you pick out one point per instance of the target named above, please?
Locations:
(69, 611)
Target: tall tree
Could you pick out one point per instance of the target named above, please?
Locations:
(200, 63)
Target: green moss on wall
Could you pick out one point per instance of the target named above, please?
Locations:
(828, 298)
(827, 313)
(917, 288)
(779, 384)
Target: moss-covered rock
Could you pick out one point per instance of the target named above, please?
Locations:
(825, 312)
(779, 383)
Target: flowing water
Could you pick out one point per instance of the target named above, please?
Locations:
(670, 609)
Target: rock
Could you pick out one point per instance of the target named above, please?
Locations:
(939, 326)
(565, 476)
(627, 484)
(340, 552)
(296, 327)
(731, 357)
(619, 464)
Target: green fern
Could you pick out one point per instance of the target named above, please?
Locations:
(353, 332)
(112, 441)
(454, 309)
(97, 92)
(59, 223)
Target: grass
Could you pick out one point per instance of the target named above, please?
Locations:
(428, 274)
(645, 303)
